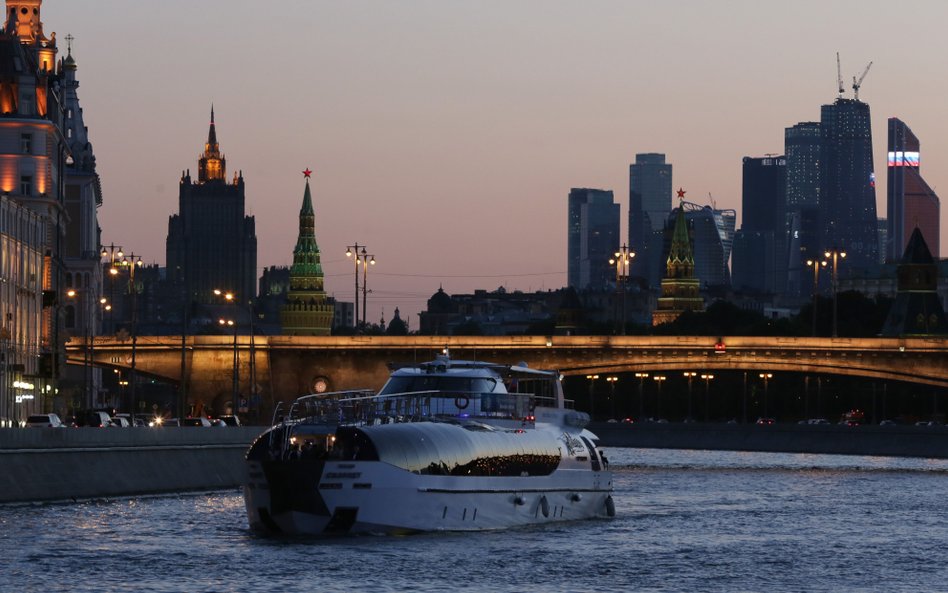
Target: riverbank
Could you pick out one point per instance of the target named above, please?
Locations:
(895, 441)
(55, 464)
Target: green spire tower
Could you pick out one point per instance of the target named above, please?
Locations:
(306, 311)
(680, 288)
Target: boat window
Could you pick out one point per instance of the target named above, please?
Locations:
(593, 454)
(439, 383)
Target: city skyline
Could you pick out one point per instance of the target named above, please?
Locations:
(465, 126)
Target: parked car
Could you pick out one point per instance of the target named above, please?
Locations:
(196, 421)
(765, 421)
(817, 421)
(94, 419)
(44, 421)
(160, 422)
(120, 422)
(218, 423)
(887, 423)
(231, 420)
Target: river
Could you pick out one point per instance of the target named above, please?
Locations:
(686, 521)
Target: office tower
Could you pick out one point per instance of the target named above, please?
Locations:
(803, 151)
(593, 236)
(681, 290)
(306, 311)
(33, 150)
(650, 201)
(712, 236)
(211, 243)
(763, 204)
(848, 188)
(911, 202)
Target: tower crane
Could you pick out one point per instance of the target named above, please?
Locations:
(858, 83)
(839, 76)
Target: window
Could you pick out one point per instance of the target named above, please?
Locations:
(26, 143)
(26, 185)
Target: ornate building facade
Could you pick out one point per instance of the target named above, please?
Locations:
(680, 287)
(306, 311)
(211, 243)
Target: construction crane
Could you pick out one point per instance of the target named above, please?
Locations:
(839, 77)
(858, 83)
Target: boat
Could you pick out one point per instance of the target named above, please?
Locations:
(445, 445)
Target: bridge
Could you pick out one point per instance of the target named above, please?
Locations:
(285, 367)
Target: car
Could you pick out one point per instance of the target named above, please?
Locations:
(196, 421)
(628, 421)
(218, 423)
(120, 422)
(94, 419)
(44, 421)
(231, 420)
(887, 423)
(817, 421)
(927, 423)
(159, 421)
(765, 421)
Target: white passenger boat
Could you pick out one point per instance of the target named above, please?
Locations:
(445, 445)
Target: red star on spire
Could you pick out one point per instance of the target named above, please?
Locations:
(681, 194)
(307, 173)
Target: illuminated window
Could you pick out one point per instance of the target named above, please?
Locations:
(26, 185)
(26, 143)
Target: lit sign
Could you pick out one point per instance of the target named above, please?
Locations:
(899, 158)
(22, 385)
(22, 398)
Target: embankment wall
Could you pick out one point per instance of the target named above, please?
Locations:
(52, 464)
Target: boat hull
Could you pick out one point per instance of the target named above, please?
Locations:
(294, 497)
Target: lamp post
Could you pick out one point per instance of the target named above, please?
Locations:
(641, 377)
(113, 254)
(360, 257)
(234, 378)
(659, 379)
(815, 264)
(690, 375)
(612, 393)
(88, 321)
(132, 261)
(592, 402)
(836, 255)
(707, 402)
(766, 377)
(230, 297)
(621, 259)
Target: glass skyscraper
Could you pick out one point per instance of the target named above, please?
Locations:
(592, 238)
(911, 202)
(848, 185)
(650, 201)
(760, 258)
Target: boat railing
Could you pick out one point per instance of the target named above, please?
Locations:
(364, 408)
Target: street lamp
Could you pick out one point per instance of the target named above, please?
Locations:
(113, 254)
(641, 377)
(815, 264)
(612, 388)
(707, 407)
(766, 377)
(230, 297)
(234, 379)
(132, 261)
(592, 403)
(659, 379)
(836, 255)
(621, 259)
(365, 260)
(690, 375)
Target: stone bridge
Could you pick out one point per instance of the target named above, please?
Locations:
(288, 366)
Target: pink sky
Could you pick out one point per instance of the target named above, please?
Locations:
(446, 135)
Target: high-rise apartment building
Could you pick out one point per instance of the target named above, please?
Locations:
(592, 238)
(911, 202)
(650, 201)
(211, 244)
(848, 187)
